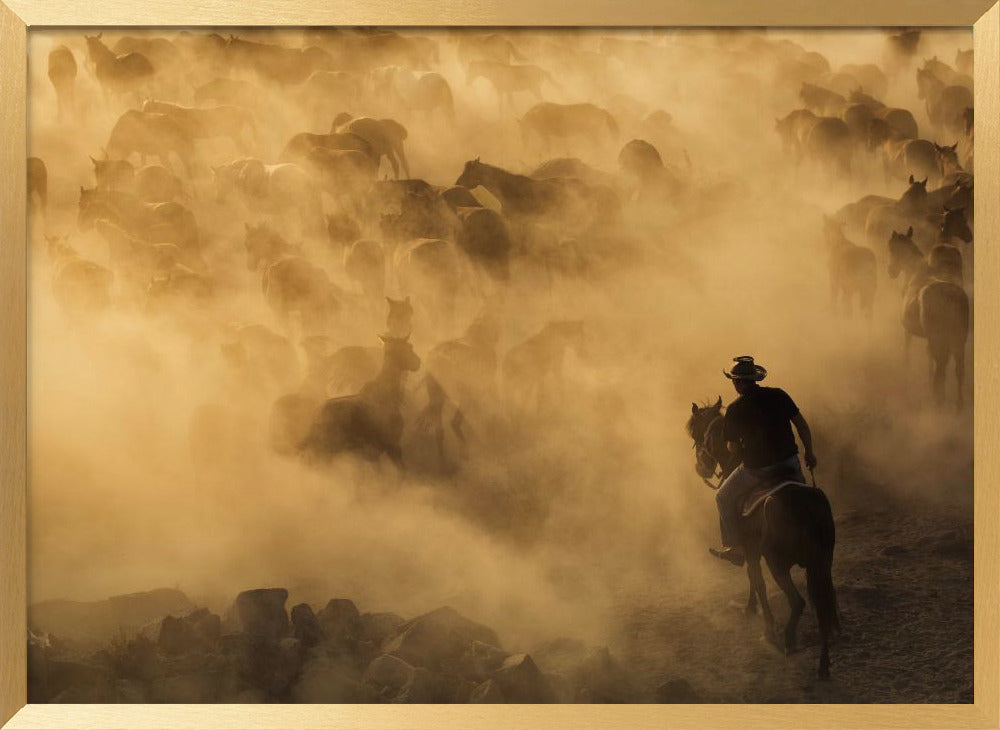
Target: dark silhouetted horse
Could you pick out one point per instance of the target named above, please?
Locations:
(792, 526)
(933, 308)
(369, 423)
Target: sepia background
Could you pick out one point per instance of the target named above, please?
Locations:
(573, 509)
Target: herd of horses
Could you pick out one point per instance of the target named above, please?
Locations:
(266, 175)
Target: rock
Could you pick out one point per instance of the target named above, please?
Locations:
(322, 682)
(481, 660)
(427, 687)
(306, 627)
(375, 627)
(77, 682)
(177, 636)
(102, 621)
(677, 692)
(340, 621)
(437, 640)
(269, 666)
(603, 678)
(388, 674)
(140, 661)
(207, 627)
(261, 612)
(488, 692)
(521, 681)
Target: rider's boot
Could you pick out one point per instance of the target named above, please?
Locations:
(732, 554)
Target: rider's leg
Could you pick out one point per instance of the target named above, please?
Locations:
(730, 494)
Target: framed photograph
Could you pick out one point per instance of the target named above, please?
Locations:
(499, 365)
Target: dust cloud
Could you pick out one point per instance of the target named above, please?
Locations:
(151, 461)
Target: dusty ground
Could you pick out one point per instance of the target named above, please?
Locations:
(904, 581)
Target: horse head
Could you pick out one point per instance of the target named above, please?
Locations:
(471, 174)
(702, 418)
(399, 354)
(915, 195)
(954, 225)
(902, 251)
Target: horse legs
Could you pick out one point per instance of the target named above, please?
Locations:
(751, 608)
(757, 585)
(939, 358)
(782, 576)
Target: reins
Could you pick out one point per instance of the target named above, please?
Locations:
(700, 449)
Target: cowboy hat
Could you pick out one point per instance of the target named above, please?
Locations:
(745, 369)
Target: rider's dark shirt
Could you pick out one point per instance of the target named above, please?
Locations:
(760, 421)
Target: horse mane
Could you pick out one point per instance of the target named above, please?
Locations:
(696, 419)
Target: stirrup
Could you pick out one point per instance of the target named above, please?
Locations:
(731, 555)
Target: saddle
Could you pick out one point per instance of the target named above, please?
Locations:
(759, 495)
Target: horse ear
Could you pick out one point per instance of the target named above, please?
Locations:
(694, 408)
(924, 181)
(909, 232)
(718, 403)
(911, 179)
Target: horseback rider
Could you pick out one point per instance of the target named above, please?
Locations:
(757, 429)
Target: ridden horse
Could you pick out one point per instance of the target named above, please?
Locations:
(790, 526)
(371, 421)
(933, 308)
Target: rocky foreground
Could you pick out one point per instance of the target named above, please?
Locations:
(260, 653)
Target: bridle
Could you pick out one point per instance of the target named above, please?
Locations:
(704, 455)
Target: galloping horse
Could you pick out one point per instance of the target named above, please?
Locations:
(792, 525)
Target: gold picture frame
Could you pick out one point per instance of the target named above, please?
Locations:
(19, 16)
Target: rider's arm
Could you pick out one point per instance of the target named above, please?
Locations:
(806, 436)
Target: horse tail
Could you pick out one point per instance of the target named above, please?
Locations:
(819, 577)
